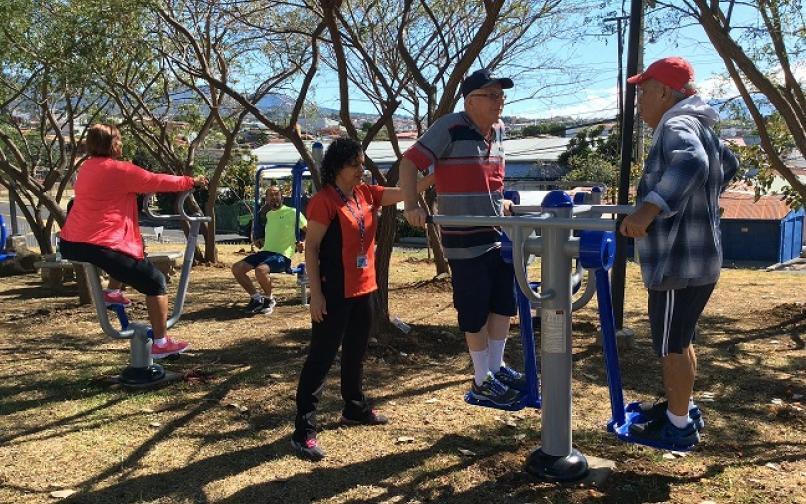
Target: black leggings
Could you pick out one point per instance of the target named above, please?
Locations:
(139, 273)
(346, 324)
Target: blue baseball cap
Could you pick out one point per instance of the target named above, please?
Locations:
(482, 78)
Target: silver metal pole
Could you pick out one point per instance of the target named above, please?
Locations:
(184, 277)
(96, 292)
(555, 336)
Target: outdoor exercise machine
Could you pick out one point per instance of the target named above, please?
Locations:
(555, 219)
(524, 203)
(141, 371)
(298, 169)
(5, 254)
(528, 202)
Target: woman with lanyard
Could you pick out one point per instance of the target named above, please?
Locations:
(340, 260)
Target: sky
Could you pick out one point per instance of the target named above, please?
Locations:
(596, 96)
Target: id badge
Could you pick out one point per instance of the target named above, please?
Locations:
(361, 262)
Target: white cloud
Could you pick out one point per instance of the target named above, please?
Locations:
(589, 103)
(717, 86)
(602, 102)
(720, 85)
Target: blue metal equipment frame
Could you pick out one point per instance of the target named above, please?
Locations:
(4, 254)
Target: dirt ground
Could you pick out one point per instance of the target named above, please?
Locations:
(222, 435)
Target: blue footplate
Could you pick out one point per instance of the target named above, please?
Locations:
(632, 416)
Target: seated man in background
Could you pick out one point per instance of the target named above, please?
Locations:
(280, 243)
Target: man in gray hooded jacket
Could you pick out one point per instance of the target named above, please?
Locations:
(686, 170)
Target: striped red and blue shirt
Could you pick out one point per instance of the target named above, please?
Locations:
(469, 177)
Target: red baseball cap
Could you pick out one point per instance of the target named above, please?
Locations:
(674, 71)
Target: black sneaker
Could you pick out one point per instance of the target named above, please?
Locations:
(661, 431)
(512, 379)
(371, 418)
(254, 306)
(656, 410)
(495, 392)
(308, 449)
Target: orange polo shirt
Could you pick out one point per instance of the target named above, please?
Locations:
(341, 245)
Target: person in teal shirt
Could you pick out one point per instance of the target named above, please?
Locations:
(279, 244)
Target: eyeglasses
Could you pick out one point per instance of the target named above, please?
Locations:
(492, 96)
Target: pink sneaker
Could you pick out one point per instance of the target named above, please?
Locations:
(116, 297)
(170, 347)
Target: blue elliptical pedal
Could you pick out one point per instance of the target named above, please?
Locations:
(597, 250)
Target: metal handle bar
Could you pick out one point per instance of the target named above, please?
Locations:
(578, 209)
(522, 221)
(514, 227)
(183, 216)
(519, 260)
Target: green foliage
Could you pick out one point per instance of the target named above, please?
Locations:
(190, 113)
(547, 128)
(71, 39)
(754, 163)
(593, 158)
(589, 141)
(593, 167)
(382, 135)
(238, 180)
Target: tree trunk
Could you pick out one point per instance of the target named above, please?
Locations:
(204, 230)
(385, 238)
(383, 256)
(210, 248)
(433, 234)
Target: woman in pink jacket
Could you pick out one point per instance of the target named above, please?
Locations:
(102, 227)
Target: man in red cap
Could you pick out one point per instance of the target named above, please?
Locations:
(686, 170)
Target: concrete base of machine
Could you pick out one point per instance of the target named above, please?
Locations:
(625, 337)
(599, 470)
(572, 467)
(149, 378)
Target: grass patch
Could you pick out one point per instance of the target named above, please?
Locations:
(222, 435)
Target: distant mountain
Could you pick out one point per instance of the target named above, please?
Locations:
(275, 102)
(270, 104)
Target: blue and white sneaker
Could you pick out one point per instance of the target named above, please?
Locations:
(661, 431)
(495, 392)
(653, 411)
(512, 379)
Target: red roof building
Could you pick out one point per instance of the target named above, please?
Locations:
(742, 205)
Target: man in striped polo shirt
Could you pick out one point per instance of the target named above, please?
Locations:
(465, 152)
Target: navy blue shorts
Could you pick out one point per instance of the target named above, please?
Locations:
(673, 316)
(482, 285)
(277, 263)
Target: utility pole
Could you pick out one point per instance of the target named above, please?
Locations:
(619, 20)
(638, 153)
(620, 264)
